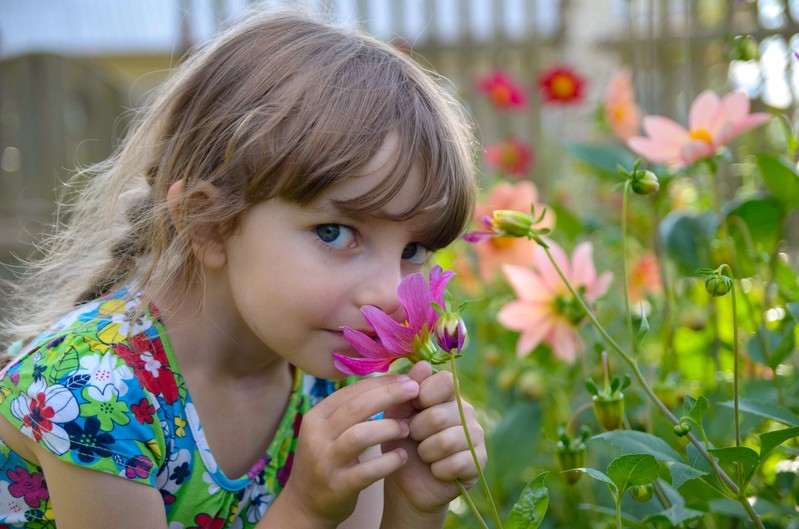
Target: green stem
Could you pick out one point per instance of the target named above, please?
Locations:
(624, 196)
(470, 504)
(637, 372)
(618, 511)
(481, 476)
(736, 355)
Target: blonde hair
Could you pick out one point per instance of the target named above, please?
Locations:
(280, 105)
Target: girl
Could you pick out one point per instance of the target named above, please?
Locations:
(287, 175)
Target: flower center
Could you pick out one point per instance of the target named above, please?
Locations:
(563, 87)
(424, 344)
(701, 134)
(501, 95)
(570, 308)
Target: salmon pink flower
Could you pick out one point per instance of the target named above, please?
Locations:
(561, 85)
(510, 156)
(414, 339)
(545, 311)
(621, 112)
(712, 124)
(644, 278)
(497, 249)
(502, 90)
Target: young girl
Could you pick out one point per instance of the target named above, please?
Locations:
(288, 174)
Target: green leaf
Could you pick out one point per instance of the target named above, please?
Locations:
(779, 345)
(748, 458)
(635, 442)
(675, 515)
(754, 224)
(529, 510)
(769, 410)
(793, 310)
(508, 455)
(643, 329)
(697, 408)
(597, 475)
(633, 469)
(686, 239)
(602, 158)
(682, 473)
(781, 178)
(771, 440)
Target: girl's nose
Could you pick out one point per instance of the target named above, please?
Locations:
(378, 287)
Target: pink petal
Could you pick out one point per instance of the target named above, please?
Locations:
(664, 130)
(395, 338)
(655, 151)
(705, 111)
(522, 280)
(599, 287)
(532, 337)
(360, 366)
(583, 271)
(414, 295)
(550, 277)
(365, 345)
(438, 283)
(478, 236)
(751, 121)
(696, 150)
(565, 342)
(522, 315)
(734, 107)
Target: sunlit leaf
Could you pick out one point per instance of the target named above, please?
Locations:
(633, 469)
(769, 410)
(529, 510)
(748, 458)
(781, 178)
(597, 475)
(696, 408)
(770, 440)
(635, 442)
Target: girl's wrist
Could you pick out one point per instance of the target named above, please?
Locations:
(400, 513)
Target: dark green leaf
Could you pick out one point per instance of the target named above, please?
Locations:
(754, 223)
(643, 329)
(793, 310)
(686, 240)
(770, 440)
(602, 158)
(748, 458)
(597, 475)
(675, 515)
(781, 178)
(697, 408)
(778, 345)
(529, 510)
(681, 473)
(633, 469)
(635, 442)
(769, 410)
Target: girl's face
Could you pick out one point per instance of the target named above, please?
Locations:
(297, 274)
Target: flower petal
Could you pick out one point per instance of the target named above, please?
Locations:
(664, 130)
(695, 150)
(438, 283)
(365, 345)
(655, 151)
(583, 271)
(565, 341)
(395, 338)
(705, 111)
(522, 280)
(360, 366)
(414, 295)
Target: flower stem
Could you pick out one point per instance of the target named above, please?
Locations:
(736, 355)
(625, 195)
(648, 389)
(470, 504)
(481, 476)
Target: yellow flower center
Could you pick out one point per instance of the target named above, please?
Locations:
(501, 95)
(563, 87)
(701, 134)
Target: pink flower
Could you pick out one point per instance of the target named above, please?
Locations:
(510, 156)
(561, 85)
(545, 311)
(712, 123)
(414, 339)
(621, 112)
(502, 90)
(31, 487)
(644, 278)
(494, 251)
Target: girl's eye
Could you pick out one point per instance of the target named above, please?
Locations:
(415, 253)
(337, 236)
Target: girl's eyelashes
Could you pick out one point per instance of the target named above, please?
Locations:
(415, 253)
(336, 236)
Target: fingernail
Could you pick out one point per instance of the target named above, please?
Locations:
(405, 428)
(410, 386)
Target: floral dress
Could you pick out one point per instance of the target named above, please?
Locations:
(105, 392)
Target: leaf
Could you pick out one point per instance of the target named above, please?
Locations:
(793, 310)
(602, 158)
(754, 224)
(643, 329)
(769, 410)
(747, 457)
(635, 442)
(686, 240)
(675, 515)
(529, 510)
(696, 408)
(682, 473)
(633, 469)
(780, 177)
(597, 475)
(771, 440)
(779, 345)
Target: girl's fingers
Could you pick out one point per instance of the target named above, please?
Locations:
(458, 466)
(361, 436)
(447, 442)
(437, 418)
(436, 389)
(361, 475)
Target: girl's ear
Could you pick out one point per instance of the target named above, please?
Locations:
(186, 209)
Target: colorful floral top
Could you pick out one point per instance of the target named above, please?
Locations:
(105, 392)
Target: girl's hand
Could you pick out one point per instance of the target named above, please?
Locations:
(326, 475)
(438, 453)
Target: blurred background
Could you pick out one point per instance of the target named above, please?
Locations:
(72, 71)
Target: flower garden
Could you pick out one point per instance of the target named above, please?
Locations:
(636, 367)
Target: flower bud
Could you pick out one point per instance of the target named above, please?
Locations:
(682, 429)
(531, 385)
(642, 493)
(645, 183)
(450, 332)
(718, 285)
(569, 458)
(609, 410)
(512, 223)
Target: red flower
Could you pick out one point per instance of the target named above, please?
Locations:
(150, 364)
(206, 521)
(511, 156)
(39, 417)
(143, 411)
(502, 90)
(561, 85)
(28, 486)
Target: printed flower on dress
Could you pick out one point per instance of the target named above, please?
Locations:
(712, 124)
(150, 364)
(120, 322)
(502, 90)
(498, 250)
(511, 157)
(414, 339)
(621, 111)
(206, 521)
(28, 486)
(42, 409)
(561, 85)
(89, 441)
(545, 311)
